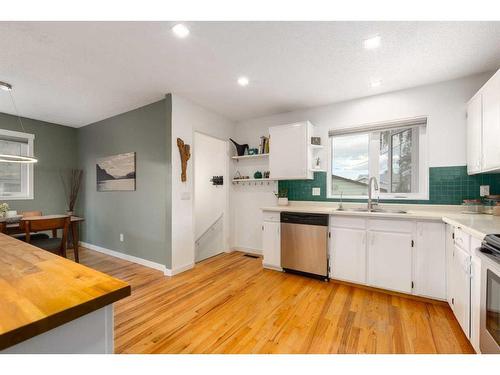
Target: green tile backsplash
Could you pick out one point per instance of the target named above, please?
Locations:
(447, 185)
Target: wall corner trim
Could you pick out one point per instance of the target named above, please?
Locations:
(249, 250)
(130, 258)
(177, 270)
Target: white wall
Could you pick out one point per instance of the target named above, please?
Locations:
(444, 104)
(188, 118)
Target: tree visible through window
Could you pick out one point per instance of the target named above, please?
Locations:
(390, 155)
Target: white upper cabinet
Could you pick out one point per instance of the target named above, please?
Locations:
(483, 128)
(474, 129)
(491, 123)
(290, 151)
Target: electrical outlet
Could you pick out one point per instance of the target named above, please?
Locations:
(484, 190)
(121, 237)
(316, 191)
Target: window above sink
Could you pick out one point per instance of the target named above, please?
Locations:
(393, 152)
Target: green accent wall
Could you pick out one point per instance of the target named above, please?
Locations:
(447, 185)
(144, 215)
(55, 147)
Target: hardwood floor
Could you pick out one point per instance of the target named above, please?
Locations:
(229, 304)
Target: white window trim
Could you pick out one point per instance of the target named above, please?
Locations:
(423, 171)
(30, 140)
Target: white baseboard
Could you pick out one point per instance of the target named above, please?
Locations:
(249, 250)
(177, 270)
(130, 258)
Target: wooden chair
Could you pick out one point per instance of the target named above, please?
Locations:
(54, 245)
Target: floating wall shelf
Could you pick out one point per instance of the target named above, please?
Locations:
(254, 180)
(316, 147)
(256, 156)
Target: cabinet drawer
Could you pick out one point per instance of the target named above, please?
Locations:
(397, 226)
(347, 222)
(462, 239)
(271, 216)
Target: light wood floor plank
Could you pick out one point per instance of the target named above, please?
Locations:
(230, 304)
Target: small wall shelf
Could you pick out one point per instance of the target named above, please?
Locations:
(237, 158)
(254, 180)
(316, 147)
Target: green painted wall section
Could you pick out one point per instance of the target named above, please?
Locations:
(143, 216)
(447, 185)
(55, 147)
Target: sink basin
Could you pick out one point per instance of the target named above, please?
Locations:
(379, 210)
(390, 211)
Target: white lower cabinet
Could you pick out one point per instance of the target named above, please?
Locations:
(400, 255)
(430, 261)
(460, 288)
(348, 254)
(271, 245)
(450, 248)
(390, 260)
(475, 295)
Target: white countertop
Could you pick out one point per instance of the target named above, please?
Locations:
(477, 225)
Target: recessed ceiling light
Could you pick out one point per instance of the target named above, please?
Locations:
(243, 81)
(372, 43)
(375, 82)
(180, 30)
(5, 86)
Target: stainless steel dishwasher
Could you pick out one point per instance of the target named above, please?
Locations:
(304, 243)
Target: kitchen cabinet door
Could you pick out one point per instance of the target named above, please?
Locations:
(289, 153)
(271, 245)
(461, 288)
(474, 134)
(450, 246)
(390, 261)
(430, 261)
(475, 296)
(491, 123)
(348, 255)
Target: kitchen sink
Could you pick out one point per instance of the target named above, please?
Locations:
(379, 210)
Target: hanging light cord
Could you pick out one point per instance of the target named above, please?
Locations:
(17, 112)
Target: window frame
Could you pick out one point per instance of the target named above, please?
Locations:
(28, 138)
(373, 165)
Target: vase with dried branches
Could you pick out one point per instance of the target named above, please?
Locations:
(72, 181)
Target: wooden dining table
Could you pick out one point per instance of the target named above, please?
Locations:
(11, 228)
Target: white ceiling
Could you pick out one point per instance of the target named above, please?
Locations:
(76, 73)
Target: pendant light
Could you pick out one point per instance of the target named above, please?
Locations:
(6, 158)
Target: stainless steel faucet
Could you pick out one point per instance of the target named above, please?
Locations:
(370, 203)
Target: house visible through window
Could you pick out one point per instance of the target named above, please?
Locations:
(16, 179)
(394, 155)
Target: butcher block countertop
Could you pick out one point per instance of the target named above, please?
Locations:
(40, 291)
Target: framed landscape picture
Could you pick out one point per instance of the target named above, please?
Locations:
(116, 173)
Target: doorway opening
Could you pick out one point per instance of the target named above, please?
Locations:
(210, 196)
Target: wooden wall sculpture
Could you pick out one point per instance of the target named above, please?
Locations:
(184, 151)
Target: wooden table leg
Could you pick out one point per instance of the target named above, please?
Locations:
(75, 240)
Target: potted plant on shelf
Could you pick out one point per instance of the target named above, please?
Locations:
(72, 182)
(282, 196)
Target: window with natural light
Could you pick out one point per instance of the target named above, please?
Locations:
(16, 179)
(395, 155)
